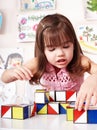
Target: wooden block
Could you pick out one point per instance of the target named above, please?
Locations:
(71, 96)
(52, 96)
(80, 116)
(41, 97)
(6, 111)
(41, 109)
(32, 110)
(40, 90)
(60, 96)
(63, 107)
(20, 111)
(53, 108)
(69, 115)
(92, 115)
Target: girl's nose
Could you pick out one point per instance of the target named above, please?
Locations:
(60, 52)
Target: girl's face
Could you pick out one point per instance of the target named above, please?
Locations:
(60, 56)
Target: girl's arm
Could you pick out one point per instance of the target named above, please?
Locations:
(88, 89)
(24, 72)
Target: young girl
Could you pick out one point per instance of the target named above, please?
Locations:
(59, 63)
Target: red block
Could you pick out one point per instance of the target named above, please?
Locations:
(70, 96)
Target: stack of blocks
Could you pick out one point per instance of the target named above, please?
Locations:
(51, 102)
(63, 102)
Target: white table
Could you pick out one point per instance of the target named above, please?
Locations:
(44, 122)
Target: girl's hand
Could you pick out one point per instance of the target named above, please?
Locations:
(88, 91)
(17, 73)
(22, 73)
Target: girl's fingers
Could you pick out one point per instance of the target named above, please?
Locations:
(87, 103)
(83, 101)
(22, 73)
(80, 102)
(94, 99)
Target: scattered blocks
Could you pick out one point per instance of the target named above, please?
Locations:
(17, 111)
(51, 102)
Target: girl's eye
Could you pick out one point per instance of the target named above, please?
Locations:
(66, 46)
(51, 49)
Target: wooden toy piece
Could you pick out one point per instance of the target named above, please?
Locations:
(20, 111)
(6, 111)
(40, 90)
(80, 116)
(41, 109)
(63, 107)
(60, 96)
(69, 115)
(92, 115)
(41, 97)
(52, 96)
(53, 108)
(71, 96)
(32, 110)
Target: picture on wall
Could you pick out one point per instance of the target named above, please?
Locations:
(27, 5)
(87, 36)
(9, 58)
(12, 58)
(27, 25)
(90, 9)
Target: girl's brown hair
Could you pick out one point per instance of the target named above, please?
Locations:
(53, 30)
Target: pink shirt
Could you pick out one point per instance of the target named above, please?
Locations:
(60, 81)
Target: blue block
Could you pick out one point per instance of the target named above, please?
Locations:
(92, 116)
(26, 112)
(62, 110)
(39, 107)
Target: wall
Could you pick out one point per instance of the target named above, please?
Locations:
(8, 35)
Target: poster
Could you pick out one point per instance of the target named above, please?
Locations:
(9, 58)
(87, 36)
(28, 5)
(27, 25)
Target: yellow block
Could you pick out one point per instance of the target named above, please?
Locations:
(40, 90)
(43, 110)
(18, 113)
(64, 105)
(70, 114)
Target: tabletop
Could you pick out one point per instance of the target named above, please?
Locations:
(43, 122)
